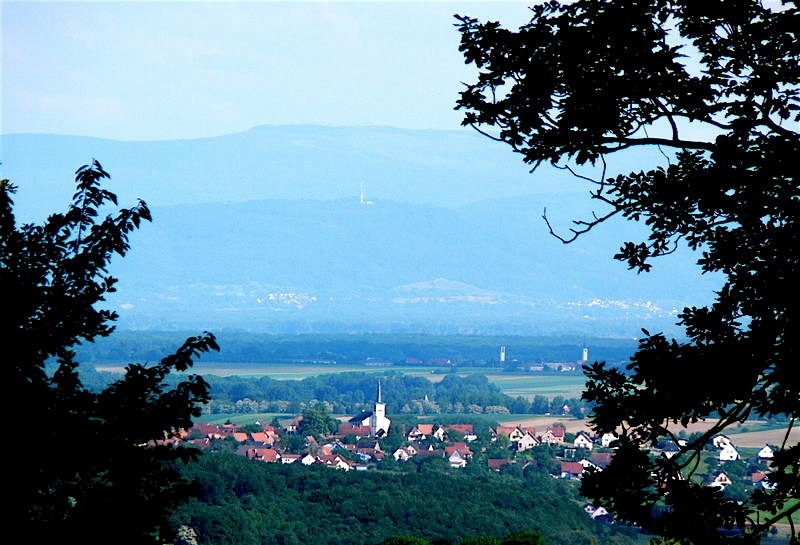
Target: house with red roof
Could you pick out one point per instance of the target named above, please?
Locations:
(498, 463)
(459, 446)
(263, 455)
(261, 438)
(348, 428)
(420, 432)
(601, 459)
(229, 429)
(290, 458)
(571, 470)
(553, 436)
(335, 461)
(467, 430)
(508, 431)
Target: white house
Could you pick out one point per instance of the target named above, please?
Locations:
(607, 438)
(308, 459)
(527, 441)
(440, 433)
(588, 464)
(720, 481)
(720, 441)
(457, 459)
(582, 440)
(335, 461)
(290, 458)
(404, 453)
(765, 453)
(595, 512)
(553, 436)
(728, 453)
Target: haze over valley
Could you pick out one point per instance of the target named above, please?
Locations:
(358, 229)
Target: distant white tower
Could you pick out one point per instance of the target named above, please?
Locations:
(502, 354)
(363, 199)
(585, 354)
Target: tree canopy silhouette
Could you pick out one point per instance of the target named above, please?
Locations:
(98, 466)
(587, 79)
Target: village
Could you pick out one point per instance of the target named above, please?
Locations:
(359, 444)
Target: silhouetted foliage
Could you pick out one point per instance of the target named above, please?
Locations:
(585, 80)
(87, 477)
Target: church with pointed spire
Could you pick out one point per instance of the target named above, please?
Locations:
(376, 419)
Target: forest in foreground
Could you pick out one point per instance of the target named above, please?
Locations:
(244, 502)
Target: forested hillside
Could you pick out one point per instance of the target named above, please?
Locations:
(243, 502)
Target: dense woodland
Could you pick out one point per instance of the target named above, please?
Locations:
(251, 347)
(243, 502)
(344, 393)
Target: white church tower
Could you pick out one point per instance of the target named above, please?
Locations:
(378, 423)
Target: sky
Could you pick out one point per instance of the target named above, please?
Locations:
(141, 70)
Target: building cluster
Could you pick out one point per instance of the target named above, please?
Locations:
(357, 445)
(726, 452)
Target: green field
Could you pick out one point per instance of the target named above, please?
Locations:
(528, 385)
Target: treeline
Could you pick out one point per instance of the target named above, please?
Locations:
(243, 502)
(250, 347)
(345, 393)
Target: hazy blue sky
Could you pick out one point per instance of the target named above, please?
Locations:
(165, 70)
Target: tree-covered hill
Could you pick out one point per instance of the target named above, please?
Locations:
(244, 502)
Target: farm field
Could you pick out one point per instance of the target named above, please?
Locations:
(766, 437)
(527, 385)
(572, 425)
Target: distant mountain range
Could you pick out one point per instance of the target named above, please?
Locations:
(269, 230)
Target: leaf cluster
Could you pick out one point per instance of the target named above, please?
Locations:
(101, 465)
(587, 79)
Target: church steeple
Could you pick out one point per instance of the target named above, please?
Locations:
(378, 423)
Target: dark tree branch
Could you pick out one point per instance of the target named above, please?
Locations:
(625, 143)
(586, 226)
